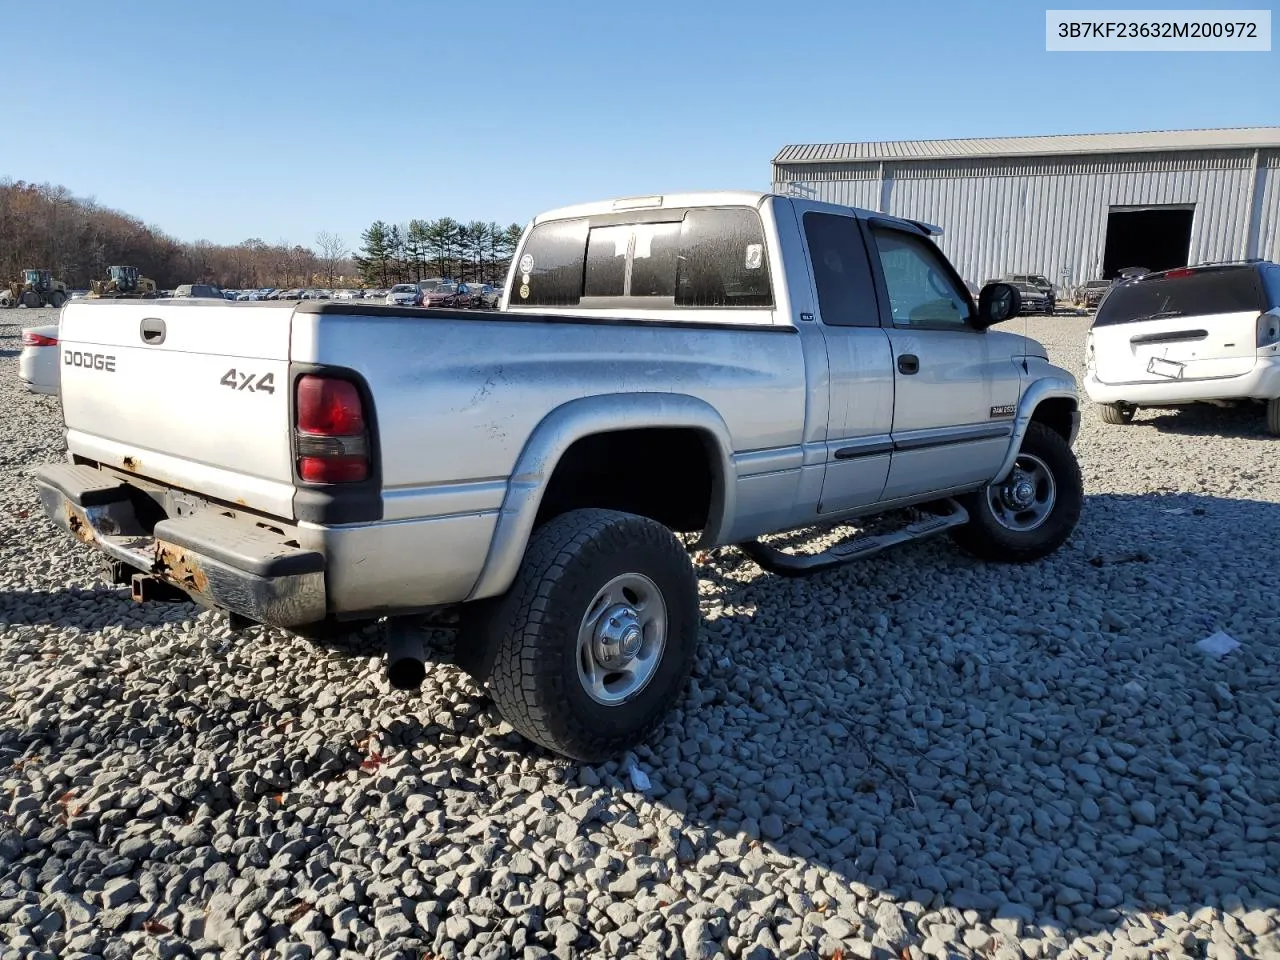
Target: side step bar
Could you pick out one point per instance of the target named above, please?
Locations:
(785, 564)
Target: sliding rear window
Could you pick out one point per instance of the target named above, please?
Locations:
(1195, 294)
(703, 257)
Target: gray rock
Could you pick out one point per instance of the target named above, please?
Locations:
(1143, 812)
(118, 892)
(889, 923)
(1258, 922)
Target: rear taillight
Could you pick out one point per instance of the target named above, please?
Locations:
(38, 340)
(1175, 274)
(330, 436)
(1268, 330)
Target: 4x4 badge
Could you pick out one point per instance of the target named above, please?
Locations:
(1004, 410)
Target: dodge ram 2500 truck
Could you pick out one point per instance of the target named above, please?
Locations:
(721, 365)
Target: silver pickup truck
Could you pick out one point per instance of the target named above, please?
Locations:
(664, 374)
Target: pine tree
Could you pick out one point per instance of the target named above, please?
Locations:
(374, 259)
(444, 244)
(395, 248)
(417, 247)
(475, 233)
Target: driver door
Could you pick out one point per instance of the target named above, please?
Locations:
(951, 386)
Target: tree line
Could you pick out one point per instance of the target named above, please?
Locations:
(444, 248)
(46, 227)
(43, 226)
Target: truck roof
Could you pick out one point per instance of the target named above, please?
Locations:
(708, 198)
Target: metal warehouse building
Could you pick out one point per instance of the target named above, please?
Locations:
(1071, 208)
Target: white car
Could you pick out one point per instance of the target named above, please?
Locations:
(38, 362)
(1209, 333)
(404, 295)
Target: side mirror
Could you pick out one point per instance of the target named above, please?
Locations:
(997, 303)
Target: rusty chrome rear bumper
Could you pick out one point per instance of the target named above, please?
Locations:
(222, 562)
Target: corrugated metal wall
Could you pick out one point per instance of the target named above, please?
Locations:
(1269, 221)
(1050, 215)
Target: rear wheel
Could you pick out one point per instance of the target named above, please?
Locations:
(1117, 413)
(1032, 512)
(1273, 416)
(57, 299)
(594, 641)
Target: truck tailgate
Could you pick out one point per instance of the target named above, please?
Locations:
(192, 394)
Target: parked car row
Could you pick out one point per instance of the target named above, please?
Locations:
(444, 294)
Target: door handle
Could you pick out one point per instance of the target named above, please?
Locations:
(152, 330)
(908, 363)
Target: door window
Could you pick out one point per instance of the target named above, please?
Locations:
(921, 290)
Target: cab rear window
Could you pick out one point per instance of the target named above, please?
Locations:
(704, 258)
(1192, 294)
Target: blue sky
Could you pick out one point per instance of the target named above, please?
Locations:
(281, 118)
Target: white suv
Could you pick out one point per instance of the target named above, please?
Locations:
(1207, 333)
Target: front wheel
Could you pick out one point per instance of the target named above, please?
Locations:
(594, 641)
(1117, 413)
(1273, 417)
(1032, 512)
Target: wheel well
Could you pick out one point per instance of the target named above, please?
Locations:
(1055, 413)
(664, 473)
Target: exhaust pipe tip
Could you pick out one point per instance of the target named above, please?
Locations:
(406, 655)
(406, 673)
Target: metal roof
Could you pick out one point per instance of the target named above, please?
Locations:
(1219, 139)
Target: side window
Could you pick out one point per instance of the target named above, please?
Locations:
(921, 291)
(722, 260)
(1271, 282)
(552, 257)
(841, 273)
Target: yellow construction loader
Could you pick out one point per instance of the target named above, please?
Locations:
(124, 282)
(37, 288)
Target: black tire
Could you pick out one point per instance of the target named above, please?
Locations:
(57, 299)
(32, 299)
(1273, 417)
(1117, 414)
(988, 538)
(536, 678)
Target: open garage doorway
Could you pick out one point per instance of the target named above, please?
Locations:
(1158, 238)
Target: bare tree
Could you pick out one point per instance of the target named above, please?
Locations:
(333, 250)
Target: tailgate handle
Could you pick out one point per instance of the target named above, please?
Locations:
(1174, 336)
(152, 330)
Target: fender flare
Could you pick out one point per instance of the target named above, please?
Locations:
(1045, 388)
(570, 422)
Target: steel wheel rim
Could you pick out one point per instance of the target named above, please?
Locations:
(1024, 501)
(621, 639)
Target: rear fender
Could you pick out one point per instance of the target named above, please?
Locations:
(572, 421)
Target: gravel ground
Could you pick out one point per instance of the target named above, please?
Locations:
(922, 756)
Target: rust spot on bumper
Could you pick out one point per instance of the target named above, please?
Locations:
(78, 525)
(176, 565)
(130, 464)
